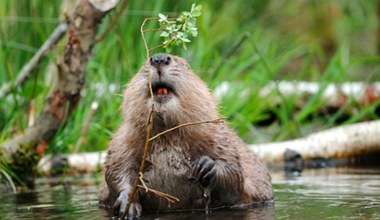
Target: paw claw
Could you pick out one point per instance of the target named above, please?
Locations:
(119, 207)
(203, 170)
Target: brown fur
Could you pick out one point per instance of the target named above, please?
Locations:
(240, 177)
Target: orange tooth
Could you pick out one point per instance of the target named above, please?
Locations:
(163, 91)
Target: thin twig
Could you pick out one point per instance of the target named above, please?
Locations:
(156, 29)
(149, 123)
(172, 37)
(57, 34)
(152, 29)
(168, 197)
(142, 164)
(113, 21)
(161, 45)
(145, 43)
(148, 132)
(218, 120)
(143, 182)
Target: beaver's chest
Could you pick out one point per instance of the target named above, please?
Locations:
(168, 171)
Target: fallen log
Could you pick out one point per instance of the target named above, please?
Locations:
(335, 143)
(89, 162)
(334, 94)
(340, 142)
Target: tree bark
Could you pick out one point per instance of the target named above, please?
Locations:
(20, 152)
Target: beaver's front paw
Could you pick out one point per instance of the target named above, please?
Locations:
(135, 209)
(203, 170)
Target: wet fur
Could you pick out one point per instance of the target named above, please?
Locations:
(240, 178)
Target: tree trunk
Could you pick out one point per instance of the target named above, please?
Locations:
(19, 153)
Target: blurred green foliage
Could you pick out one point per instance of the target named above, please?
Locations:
(247, 43)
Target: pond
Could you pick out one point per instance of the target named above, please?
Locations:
(331, 193)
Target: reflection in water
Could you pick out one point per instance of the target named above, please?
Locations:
(316, 194)
(261, 212)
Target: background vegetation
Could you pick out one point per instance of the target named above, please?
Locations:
(246, 43)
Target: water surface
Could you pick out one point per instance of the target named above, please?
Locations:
(333, 193)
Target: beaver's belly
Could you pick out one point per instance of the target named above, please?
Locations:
(168, 171)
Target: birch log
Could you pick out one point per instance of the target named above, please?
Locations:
(335, 94)
(72, 164)
(341, 142)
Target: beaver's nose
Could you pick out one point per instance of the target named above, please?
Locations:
(160, 59)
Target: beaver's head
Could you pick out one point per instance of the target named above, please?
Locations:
(167, 72)
(179, 95)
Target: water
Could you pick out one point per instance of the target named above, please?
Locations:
(329, 194)
(333, 193)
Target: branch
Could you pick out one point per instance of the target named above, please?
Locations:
(148, 127)
(166, 196)
(152, 30)
(161, 45)
(218, 120)
(57, 34)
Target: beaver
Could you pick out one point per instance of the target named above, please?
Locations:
(203, 165)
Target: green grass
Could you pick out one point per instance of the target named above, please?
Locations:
(246, 43)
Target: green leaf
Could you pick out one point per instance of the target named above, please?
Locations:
(197, 11)
(185, 40)
(198, 8)
(164, 34)
(162, 17)
(192, 7)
